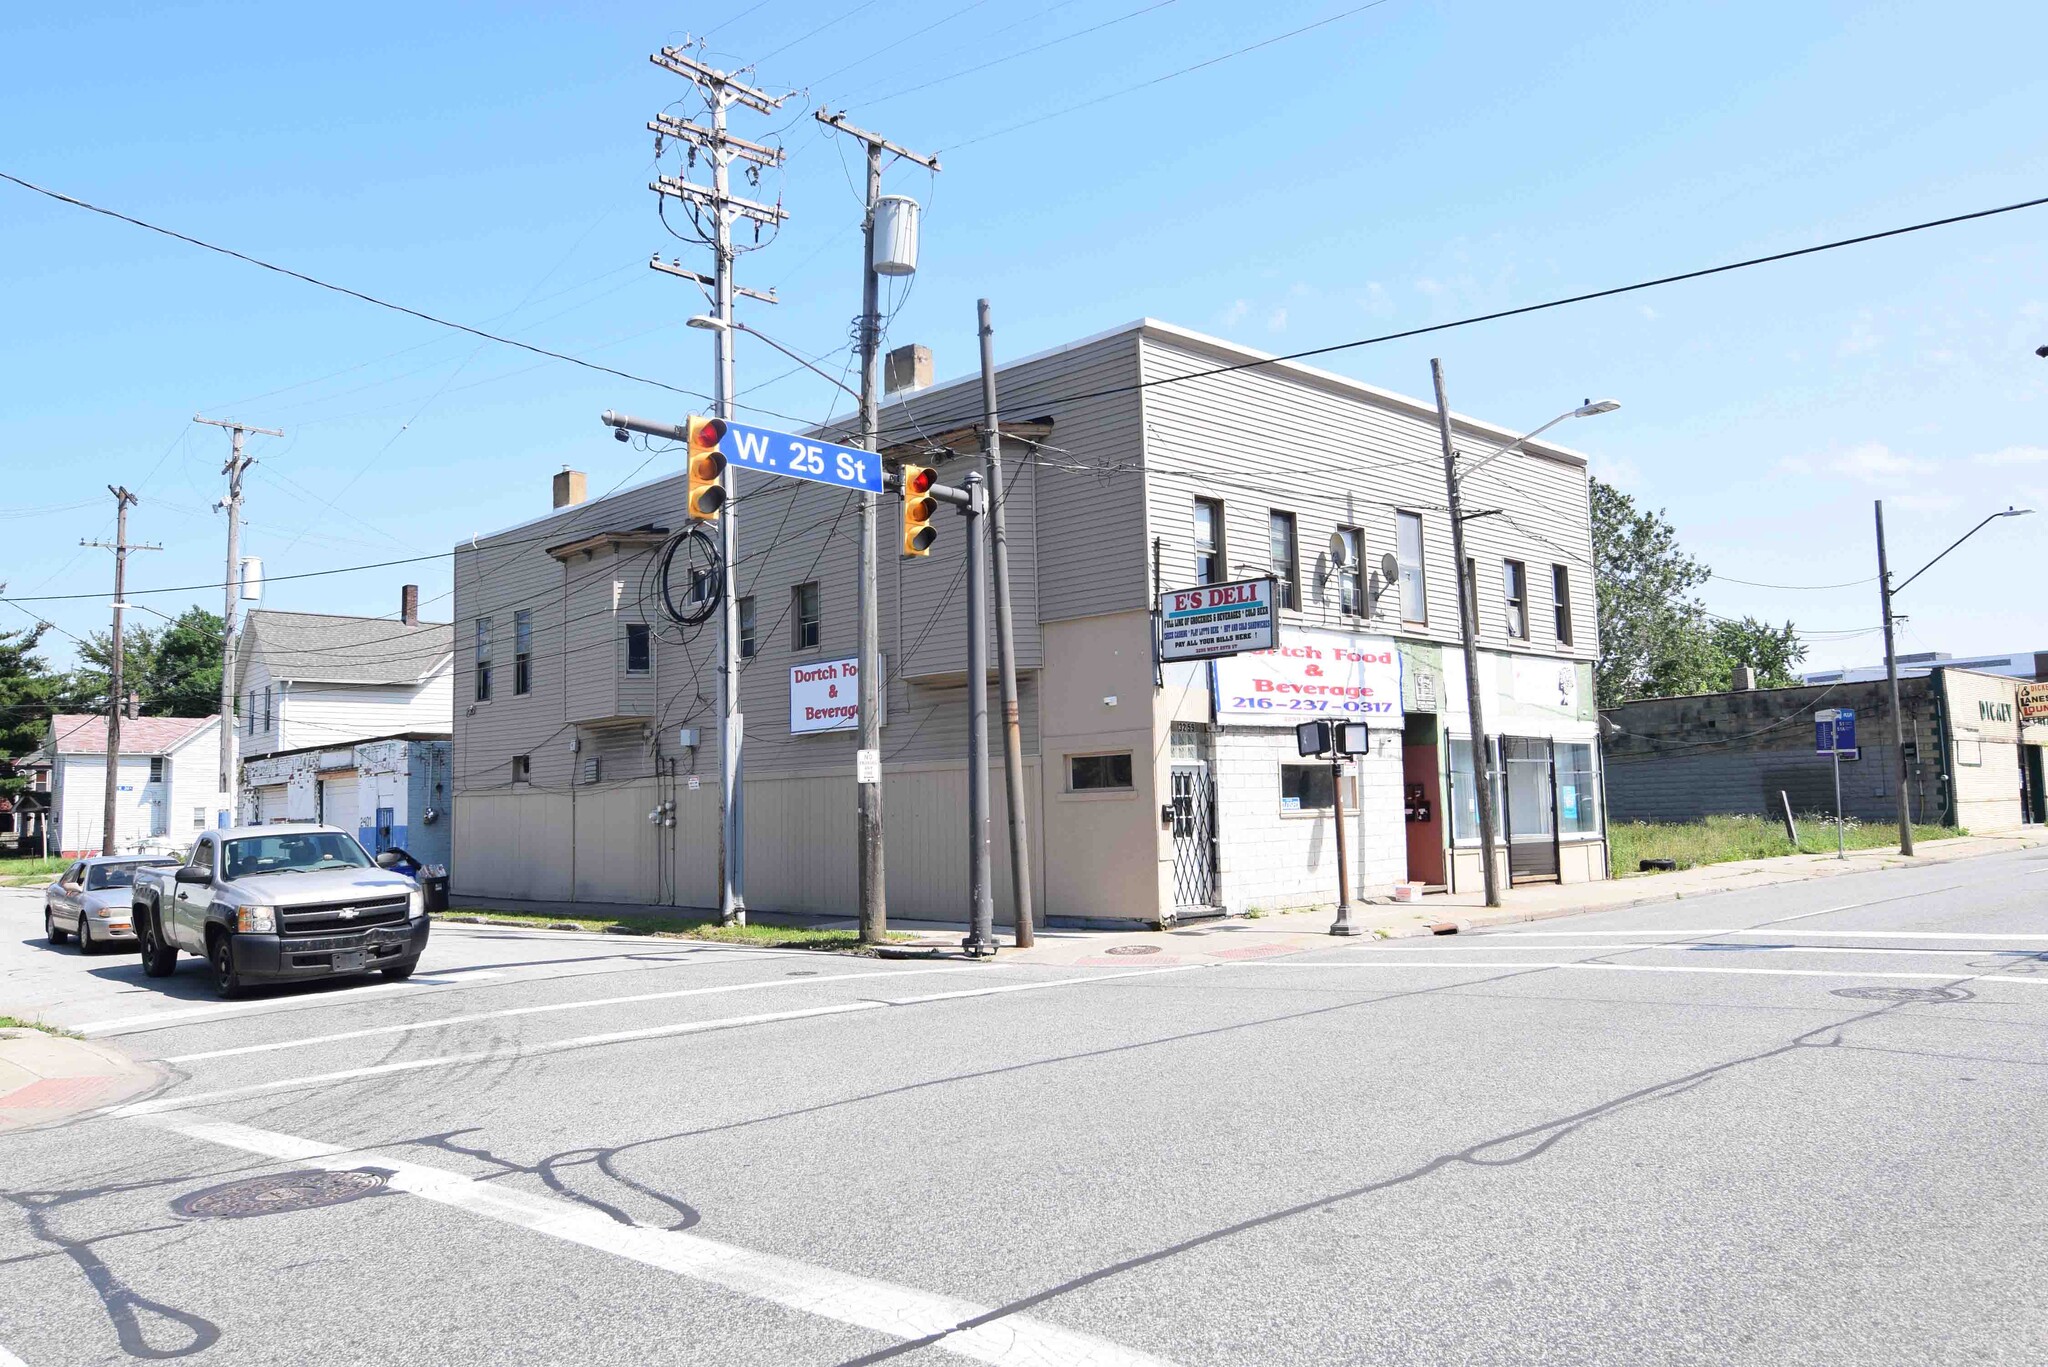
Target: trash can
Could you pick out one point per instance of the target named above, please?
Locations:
(435, 888)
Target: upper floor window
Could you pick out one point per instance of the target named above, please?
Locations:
(1350, 571)
(1561, 595)
(1210, 567)
(1408, 555)
(249, 714)
(156, 768)
(803, 629)
(1286, 560)
(522, 651)
(639, 648)
(522, 768)
(266, 709)
(747, 642)
(1514, 593)
(483, 659)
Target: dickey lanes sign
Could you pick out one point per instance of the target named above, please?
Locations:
(1316, 674)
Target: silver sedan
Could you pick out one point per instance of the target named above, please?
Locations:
(91, 900)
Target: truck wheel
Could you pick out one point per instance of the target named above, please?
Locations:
(50, 931)
(220, 959)
(398, 973)
(159, 960)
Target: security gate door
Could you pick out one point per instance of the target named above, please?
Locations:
(1531, 783)
(1194, 838)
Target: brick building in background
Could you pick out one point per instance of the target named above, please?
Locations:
(1974, 761)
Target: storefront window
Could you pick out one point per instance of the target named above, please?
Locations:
(1306, 788)
(1578, 789)
(1464, 802)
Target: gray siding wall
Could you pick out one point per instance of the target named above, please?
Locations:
(1338, 456)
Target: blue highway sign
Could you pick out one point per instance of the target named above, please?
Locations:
(821, 462)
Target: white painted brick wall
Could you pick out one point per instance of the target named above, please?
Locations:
(1270, 859)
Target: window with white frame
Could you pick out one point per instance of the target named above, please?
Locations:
(1285, 551)
(1350, 573)
(1408, 556)
(1210, 566)
(1514, 593)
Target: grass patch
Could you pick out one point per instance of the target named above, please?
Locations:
(30, 873)
(17, 1023)
(685, 928)
(1722, 839)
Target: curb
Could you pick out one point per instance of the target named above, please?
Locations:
(48, 1079)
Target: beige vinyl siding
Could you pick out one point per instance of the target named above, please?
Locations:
(1352, 460)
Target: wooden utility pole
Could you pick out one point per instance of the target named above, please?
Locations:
(1468, 626)
(874, 910)
(723, 208)
(120, 547)
(231, 587)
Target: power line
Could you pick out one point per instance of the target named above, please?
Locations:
(1796, 588)
(1013, 56)
(1171, 75)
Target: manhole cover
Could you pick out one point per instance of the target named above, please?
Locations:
(1132, 949)
(1905, 994)
(276, 1193)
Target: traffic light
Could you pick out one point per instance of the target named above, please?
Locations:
(707, 469)
(919, 507)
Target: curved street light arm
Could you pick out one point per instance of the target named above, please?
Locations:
(2009, 512)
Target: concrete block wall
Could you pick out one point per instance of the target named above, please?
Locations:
(1273, 859)
(1688, 787)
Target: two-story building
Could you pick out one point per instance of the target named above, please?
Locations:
(346, 720)
(166, 780)
(1144, 458)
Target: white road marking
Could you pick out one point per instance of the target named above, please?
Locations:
(155, 1018)
(8, 1359)
(1459, 965)
(179, 1102)
(1690, 946)
(2036, 936)
(899, 1311)
(553, 1007)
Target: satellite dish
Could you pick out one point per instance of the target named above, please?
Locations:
(1390, 568)
(1340, 554)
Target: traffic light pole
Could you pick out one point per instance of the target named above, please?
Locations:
(1006, 641)
(981, 937)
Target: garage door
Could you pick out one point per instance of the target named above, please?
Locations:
(272, 804)
(338, 801)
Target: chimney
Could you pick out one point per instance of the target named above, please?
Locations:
(569, 488)
(1745, 678)
(409, 605)
(907, 369)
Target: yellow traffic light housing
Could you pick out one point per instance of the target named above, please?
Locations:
(919, 507)
(706, 464)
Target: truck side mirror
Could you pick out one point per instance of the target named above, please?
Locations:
(188, 874)
(389, 859)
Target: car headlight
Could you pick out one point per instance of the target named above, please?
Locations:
(256, 920)
(415, 903)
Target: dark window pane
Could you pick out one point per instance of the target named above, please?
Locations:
(638, 648)
(1093, 773)
(1307, 788)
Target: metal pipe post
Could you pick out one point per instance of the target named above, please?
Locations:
(1006, 641)
(1343, 925)
(981, 938)
(1840, 816)
(1891, 674)
(1468, 628)
(874, 902)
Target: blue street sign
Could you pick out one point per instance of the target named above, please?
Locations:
(820, 462)
(1834, 731)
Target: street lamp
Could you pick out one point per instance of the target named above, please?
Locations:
(1891, 659)
(1482, 760)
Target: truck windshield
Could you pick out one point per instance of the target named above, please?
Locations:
(294, 852)
(102, 876)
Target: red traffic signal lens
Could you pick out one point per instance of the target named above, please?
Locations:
(921, 479)
(710, 432)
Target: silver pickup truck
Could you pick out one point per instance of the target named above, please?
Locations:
(279, 903)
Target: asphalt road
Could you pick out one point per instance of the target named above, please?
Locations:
(1797, 1125)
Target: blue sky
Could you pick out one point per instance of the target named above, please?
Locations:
(1408, 164)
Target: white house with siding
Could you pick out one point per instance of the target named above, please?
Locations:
(166, 780)
(1144, 457)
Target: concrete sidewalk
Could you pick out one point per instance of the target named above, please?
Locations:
(47, 1078)
(1294, 932)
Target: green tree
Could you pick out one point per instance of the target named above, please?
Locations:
(87, 684)
(1770, 651)
(29, 693)
(1653, 636)
(184, 668)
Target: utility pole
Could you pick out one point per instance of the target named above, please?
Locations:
(720, 92)
(981, 896)
(1891, 674)
(237, 465)
(1468, 626)
(120, 547)
(874, 907)
(1006, 643)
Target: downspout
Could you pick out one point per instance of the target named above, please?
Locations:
(1937, 681)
